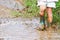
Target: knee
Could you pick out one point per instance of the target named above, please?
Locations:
(41, 12)
(50, 15)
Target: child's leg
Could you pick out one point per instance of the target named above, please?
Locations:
(49, 11)
(42, 9)
(42, 5)
(42, 20)
(50, 5)
(50, 18)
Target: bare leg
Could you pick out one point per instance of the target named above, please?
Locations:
(50, 18)
(42, 21)
(49, 11)
(42, 9)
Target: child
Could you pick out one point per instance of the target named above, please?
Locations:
(46, 5)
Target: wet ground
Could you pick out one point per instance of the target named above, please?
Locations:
(12, 4)
(24, 29)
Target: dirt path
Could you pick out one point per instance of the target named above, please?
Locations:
(24, 29)
(12, 4)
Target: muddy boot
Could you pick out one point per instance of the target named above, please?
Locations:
(41, 26)
(42, 23)
(49, 25)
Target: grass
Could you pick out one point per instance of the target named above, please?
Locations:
(15, 13)
(18, 14)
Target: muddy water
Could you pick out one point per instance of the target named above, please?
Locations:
(24, 29)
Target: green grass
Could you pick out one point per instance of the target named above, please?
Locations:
(18, 14)
(15, 13)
